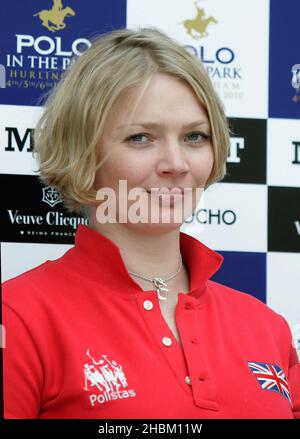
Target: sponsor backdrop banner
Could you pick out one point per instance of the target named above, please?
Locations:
(251, 52)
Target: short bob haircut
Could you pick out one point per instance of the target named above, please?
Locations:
(67, 135)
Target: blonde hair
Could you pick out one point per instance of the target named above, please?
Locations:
(71, 126)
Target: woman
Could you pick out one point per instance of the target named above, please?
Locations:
(127, 323)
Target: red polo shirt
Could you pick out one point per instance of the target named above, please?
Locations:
(85, 341)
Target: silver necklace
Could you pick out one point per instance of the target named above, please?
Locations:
(159, 283)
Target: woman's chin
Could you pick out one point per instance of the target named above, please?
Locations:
(155, 227)
(156, 230)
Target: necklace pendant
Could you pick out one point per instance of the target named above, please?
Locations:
(160, 296)
(160, 286)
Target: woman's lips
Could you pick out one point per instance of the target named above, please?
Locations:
(170, 191)
(167, 197)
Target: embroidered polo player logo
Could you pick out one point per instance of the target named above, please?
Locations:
(53, 19)
(197, 27)
(106, 379)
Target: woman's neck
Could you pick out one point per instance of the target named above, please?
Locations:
(149, 255)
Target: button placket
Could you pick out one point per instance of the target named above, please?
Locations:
(167, 344)
(202, 385)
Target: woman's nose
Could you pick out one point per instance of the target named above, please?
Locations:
(172, 159)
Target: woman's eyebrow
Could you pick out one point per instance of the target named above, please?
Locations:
(157, 125)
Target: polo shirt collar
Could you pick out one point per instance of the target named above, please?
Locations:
(107, 265)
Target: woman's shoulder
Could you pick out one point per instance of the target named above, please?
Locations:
(37, 281)
(29, 274)
(242, 303)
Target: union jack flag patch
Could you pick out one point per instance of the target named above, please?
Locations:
(270, 377)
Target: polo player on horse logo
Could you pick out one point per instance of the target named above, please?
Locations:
(55, 16)
(198, 24)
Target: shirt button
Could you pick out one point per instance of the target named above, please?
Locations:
(148, 305)
(188, 380)
(167, 341)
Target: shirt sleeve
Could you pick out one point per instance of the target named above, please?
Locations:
(22, 369)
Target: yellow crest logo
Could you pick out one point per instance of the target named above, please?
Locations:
(53, 19)
(197, 27)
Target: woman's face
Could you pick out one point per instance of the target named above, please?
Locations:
(166, 144)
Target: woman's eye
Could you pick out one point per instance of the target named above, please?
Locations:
(197, 137)
(138, 138)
